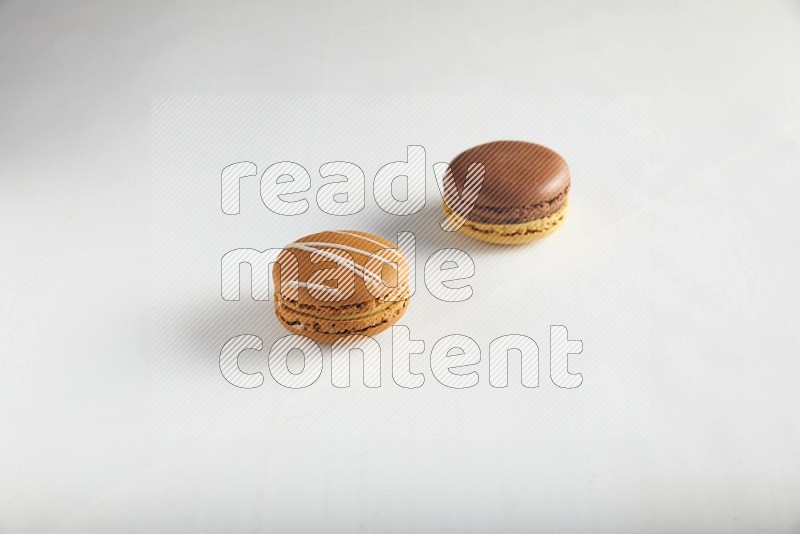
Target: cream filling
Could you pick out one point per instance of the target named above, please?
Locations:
(528, 227)
(351, 317)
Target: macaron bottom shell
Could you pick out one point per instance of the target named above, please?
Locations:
(327, 329)
(513, 234)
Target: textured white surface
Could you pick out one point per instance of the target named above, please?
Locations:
(709, 443)
(593, 276)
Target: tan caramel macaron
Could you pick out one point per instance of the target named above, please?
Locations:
(523, 196)
(334, 284)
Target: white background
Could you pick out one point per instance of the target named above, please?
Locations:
(703, 435)
(594, 277)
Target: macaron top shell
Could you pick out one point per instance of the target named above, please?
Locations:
(522, 180)
(345, 271)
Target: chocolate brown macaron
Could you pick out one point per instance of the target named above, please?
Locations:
(334, 284)
(523, 196)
